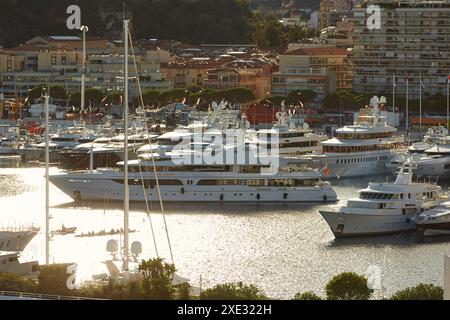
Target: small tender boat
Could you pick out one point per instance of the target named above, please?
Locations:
(64, 231)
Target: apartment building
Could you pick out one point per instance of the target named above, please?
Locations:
(333, 11)
(321, 69)
(241, 74)
(413, 41)
(58, 61)
(10, 62)
(185, 73)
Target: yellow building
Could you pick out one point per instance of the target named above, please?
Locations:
(10, 62)
(58, 60)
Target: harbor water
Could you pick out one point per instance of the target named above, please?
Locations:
(283, 249)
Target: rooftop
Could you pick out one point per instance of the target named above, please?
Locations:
(318, 51)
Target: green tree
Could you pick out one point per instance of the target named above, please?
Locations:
(275, 100)
(75, 99)
(174, 95)
(36, 93)
(184, 291)
(297, 96)
(233, 291)
(307, 296)
(152, 97)
(94, 96)
(348, 286)
(15, 283)
(114, 97)
(157, 279)
(53, 279)
(420, 292)
(58, 92)
(241, 95)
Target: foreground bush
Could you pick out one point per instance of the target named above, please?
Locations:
(307, 296)
(420, 292)
(12, 282)
(233, 291)
(348, 286)
(53, 279)
(157, 278)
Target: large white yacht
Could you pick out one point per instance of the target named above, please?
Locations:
(384, 208)
(289, 139)
(16, 239)
(196, 181)
(363, 149)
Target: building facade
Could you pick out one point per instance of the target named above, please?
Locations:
(58, 61)
(320, 69)
(332, 11)
(413, 42)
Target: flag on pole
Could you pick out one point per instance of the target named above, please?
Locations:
(421, 83)
(394, 81)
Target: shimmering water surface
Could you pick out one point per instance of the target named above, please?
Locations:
(284, 249)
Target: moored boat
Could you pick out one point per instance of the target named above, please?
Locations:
(384, 208)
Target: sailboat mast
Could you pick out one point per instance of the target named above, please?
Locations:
(126, 200)
(47, 189)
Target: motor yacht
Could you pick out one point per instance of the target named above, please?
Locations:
(384, 208)
(185, 176)
(364, 148)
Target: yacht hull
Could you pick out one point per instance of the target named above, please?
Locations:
(358, 164)
(15, 240)
(109, 189)
(358, 225)
(10, 161)
(434, 167)
(433, 229)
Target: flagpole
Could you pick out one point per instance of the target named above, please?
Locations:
(448, 100)
(407, 106)
(420, 106)
(393, 95)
